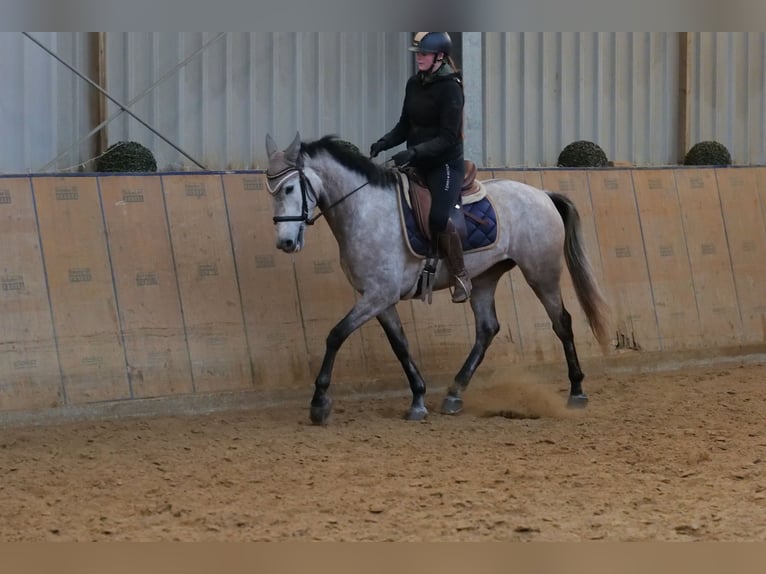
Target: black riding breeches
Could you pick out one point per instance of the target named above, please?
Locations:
(444, 183)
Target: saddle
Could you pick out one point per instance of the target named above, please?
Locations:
(420, 197)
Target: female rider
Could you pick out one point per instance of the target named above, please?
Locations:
(431, 123)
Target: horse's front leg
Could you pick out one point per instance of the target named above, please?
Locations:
(321, 404)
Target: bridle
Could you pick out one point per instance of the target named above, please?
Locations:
(306, 189)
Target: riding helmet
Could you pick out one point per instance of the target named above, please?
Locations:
(431, 43)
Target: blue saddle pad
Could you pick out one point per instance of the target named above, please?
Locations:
(480, 223)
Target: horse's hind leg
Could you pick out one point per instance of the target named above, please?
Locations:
(392, 325)
(549, 294)
(483, 306)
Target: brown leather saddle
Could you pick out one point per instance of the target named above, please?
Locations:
(420, 197)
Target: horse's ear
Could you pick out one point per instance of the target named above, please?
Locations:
(271, 145)
(294, 149)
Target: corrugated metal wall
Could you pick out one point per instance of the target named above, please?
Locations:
(220, 106)
(728, 75)
(544, 90)
(621, 90)
(540, 91)
(44, 108)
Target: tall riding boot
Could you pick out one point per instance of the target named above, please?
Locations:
(452, 247)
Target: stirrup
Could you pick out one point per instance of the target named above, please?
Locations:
(461, 289)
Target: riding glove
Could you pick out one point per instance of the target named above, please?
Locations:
(403, 157)
(377, 147)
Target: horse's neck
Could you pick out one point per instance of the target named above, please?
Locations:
(353, 207)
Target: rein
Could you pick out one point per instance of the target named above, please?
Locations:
(306, 187)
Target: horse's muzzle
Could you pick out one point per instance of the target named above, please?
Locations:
(290, 244)
(287, 245)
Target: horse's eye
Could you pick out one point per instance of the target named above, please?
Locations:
(288, 189)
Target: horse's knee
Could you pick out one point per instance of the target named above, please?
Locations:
(488, 329)
(335, 338)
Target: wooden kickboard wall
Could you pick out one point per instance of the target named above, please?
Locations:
(119, 287)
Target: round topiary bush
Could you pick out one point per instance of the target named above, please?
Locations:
(126, 156)
(708, 153)
(582, 153)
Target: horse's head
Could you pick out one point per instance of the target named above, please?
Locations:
(293, 198)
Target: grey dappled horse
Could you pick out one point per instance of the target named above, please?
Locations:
(358, 198)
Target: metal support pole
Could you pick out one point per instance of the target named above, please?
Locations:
(473, 81)
(101, 59)
(684, 94)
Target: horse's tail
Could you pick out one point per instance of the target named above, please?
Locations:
(586, 287)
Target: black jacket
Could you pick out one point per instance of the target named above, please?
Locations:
(432, 118)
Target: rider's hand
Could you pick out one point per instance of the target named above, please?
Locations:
(403, 157)
(377, 147)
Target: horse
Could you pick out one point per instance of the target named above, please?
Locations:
(358, 199)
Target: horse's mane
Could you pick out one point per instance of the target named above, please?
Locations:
(349, 156)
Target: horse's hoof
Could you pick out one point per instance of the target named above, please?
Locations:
(577, 401)
(320, 412)
(452, 405)
(416, 414)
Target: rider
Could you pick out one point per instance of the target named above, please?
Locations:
(431, 123)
